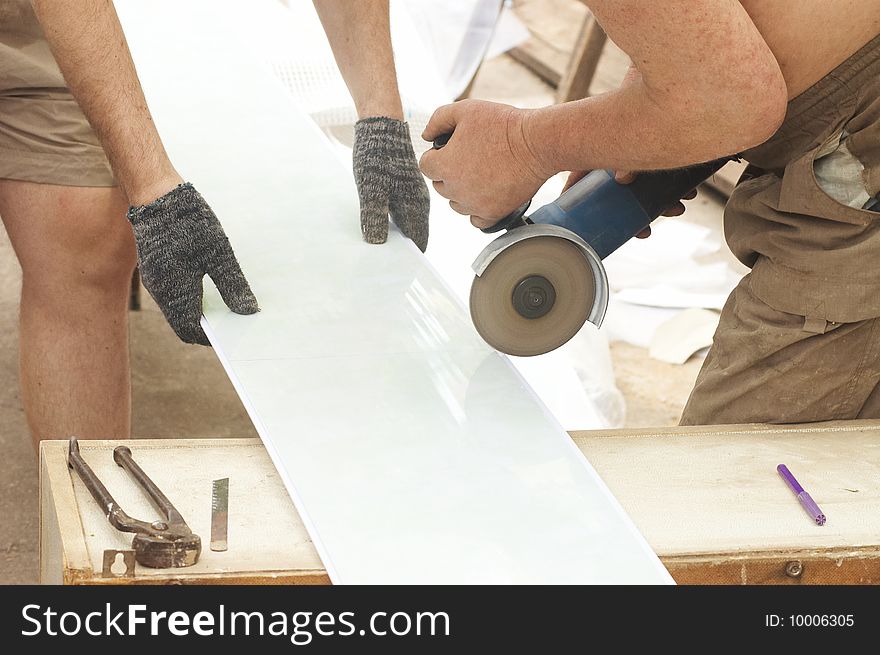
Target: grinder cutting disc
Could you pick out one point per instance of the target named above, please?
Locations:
(533, 297)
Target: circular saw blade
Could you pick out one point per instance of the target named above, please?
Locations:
(558, 260)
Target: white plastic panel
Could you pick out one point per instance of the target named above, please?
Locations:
(413, 452)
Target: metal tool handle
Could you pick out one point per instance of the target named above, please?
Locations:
(122, 456)
(93, 483)
(114, 513)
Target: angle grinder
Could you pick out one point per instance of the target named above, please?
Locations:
(537, 284)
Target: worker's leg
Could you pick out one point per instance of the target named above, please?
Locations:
(767, 366)
(77, 255)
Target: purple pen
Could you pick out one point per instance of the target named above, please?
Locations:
(806, 502)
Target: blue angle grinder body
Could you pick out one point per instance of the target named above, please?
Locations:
(538, 283)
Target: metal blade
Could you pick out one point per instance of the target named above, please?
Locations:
(219, 514)
(493, 302)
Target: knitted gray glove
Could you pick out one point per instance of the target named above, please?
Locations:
(179, 241)
(389, 181)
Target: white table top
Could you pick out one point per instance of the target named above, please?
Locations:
(413, 452)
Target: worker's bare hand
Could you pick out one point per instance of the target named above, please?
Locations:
(625, 177)
(486, 170)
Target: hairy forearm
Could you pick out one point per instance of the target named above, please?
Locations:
(704, 84)
(631, 129)
(360, 35)
(88, 43)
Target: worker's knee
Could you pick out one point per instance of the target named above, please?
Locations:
(98, 275)
(86, 249)
(102, 267)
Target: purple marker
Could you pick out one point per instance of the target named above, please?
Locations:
(806, 502)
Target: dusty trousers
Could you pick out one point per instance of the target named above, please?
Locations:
(799, 338)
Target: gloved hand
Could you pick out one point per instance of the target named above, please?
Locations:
(179, 240)
(389, 181)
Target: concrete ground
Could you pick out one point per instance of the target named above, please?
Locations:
(181, 391)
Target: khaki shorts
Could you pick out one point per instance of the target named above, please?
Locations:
(44, 136)
(799, 338)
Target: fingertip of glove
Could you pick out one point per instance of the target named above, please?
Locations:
(417, 236)
(376, 237)
(245, 303)
(421, 242)
(246, 309)
(194, 337)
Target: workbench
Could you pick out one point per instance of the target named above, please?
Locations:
(708, 501)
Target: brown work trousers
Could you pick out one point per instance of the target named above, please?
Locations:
(799, 337)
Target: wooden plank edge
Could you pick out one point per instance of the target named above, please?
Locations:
(53, 469)
(580, 436)
(301, 577)
(811, 567)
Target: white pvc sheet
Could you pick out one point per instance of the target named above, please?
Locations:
(576, 382)
(413, 452)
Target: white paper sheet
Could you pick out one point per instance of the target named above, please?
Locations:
(413, 452)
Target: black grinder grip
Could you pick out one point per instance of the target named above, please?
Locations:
(656, 191)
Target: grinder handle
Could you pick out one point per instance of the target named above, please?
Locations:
(441, 140)
(655, 191)
(607, 214)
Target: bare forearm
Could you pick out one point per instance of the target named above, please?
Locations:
(627, 130)
(88, 43)
(360, 35)
(624, 130)
(703, 84)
